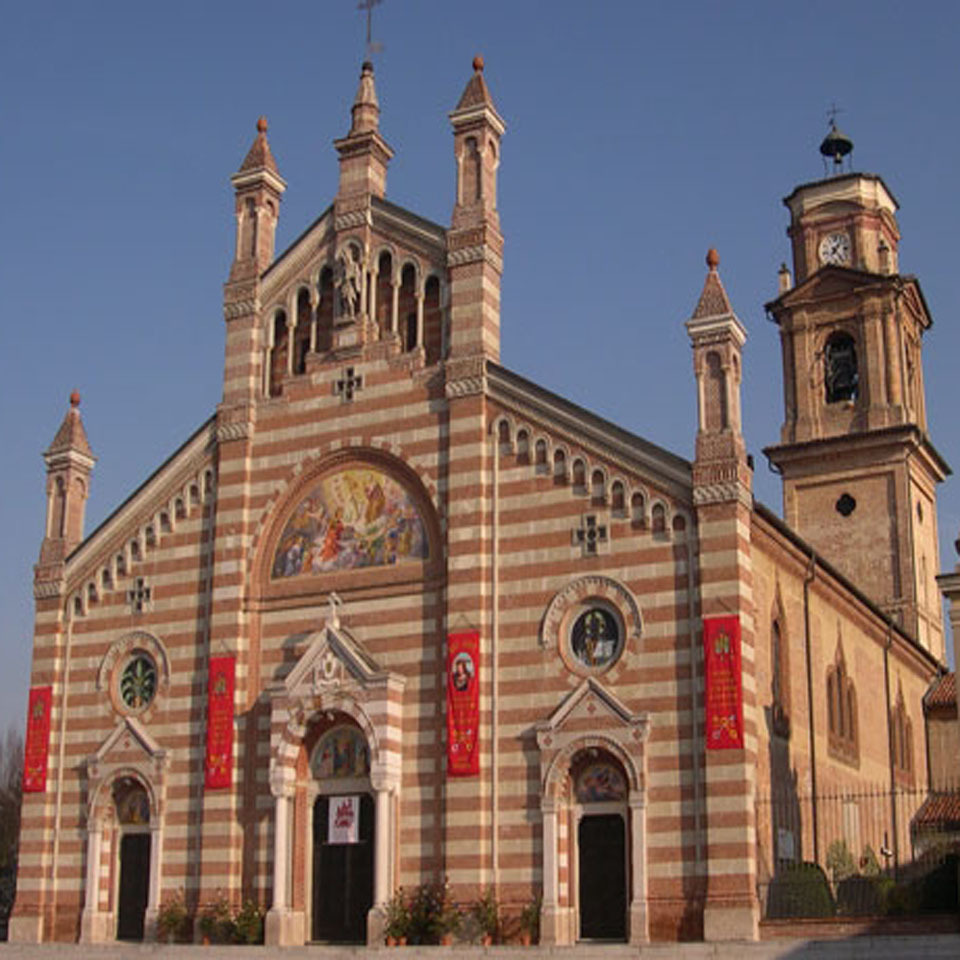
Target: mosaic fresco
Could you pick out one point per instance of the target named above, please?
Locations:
(356, 518)
(341, 752)
(601, 781)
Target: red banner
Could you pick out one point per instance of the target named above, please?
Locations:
(724, 690)
(220, 686)
(463, 704)
(36, 749)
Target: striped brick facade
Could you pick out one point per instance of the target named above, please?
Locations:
(533, 513)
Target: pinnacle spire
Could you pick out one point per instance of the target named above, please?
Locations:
(713, 300)
(259, 156)
(71, 437)
(365, 111)
(476, 93)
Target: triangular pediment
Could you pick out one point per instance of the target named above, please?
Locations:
(127, 743)
(332, 657)
(828, 282)
(589, 702)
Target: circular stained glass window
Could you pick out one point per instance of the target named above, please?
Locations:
(595, 638)
(138, 682)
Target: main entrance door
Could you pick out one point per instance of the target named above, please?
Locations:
(342, 877)
(603, 877)
(134, 878)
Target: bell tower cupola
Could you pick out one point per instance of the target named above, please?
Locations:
(475, 244)
(859, 470)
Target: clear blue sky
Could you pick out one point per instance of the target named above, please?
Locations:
(638, 135)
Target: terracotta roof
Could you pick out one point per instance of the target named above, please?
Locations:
(942, 692)
(476, 91)
(259, 156)
(713, 300)
(71, 435)
(938, 810)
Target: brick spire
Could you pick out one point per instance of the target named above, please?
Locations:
(364, 154)
(259, 156)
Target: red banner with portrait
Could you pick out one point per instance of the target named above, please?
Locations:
(220, 687)
(463, 704)
(723, 686)
(36, 748)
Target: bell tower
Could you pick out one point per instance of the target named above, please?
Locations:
(859, 470)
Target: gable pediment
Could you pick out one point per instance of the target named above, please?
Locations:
(590, 704)
(332, 658)
(128, 744)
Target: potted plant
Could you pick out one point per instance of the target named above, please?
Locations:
(530, 922)
(248, 923)
(215, 922)
(486, 915)
(172, 918)
(446, 915)
(397, 920)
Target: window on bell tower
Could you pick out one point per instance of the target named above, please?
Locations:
(840, 376)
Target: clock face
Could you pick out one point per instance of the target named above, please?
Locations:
(835, 248)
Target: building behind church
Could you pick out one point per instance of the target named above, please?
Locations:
(395, 613)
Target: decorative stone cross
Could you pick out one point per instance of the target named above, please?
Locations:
(589, 535)
(139, 595)
(348, 384)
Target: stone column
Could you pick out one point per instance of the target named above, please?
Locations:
(277, 915)
(89, 923)
(419, 319)
(372, 315)
(156, 875)
(639, 927)
(395, 307)
(551, 874)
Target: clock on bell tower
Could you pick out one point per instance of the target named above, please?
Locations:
(859, 470)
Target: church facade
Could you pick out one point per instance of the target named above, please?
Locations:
(395, 613)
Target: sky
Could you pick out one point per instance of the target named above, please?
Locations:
(638, 135)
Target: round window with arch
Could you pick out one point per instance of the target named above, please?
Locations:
(138, 681)
(595, 637)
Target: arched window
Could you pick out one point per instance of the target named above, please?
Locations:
(658, 518)
(617, 498)
(432, 320)
(842, 724)
(278, 354)
(407, 310)
(470, 184)
(715, 395)
(902, 729)
(523, 446)
(325, 311)
(638, 515)
(840, 377)
(579, 476)
(302, 332)
(541, 455)
(598, 488)
(384, 292)
(559, 467)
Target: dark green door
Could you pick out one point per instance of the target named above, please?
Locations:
(603, 878)
(134, 882)
(342, 877)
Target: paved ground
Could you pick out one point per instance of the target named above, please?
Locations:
(869, 948)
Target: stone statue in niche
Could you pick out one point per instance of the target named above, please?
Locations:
(348, 285)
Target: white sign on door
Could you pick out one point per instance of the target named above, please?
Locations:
(344, 820)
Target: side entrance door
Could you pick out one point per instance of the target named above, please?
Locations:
(134, 880)
(603, 877)
(342, 877)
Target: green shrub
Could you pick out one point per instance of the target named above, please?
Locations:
(840, 861)
(216, 922)
(248, 924)
(172, 918)
(800, 890)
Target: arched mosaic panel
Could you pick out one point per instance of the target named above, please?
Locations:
(341, 752)
(358, 517)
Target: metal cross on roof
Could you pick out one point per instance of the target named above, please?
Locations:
(372, 45)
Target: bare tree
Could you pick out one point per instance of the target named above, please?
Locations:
(11, 780)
